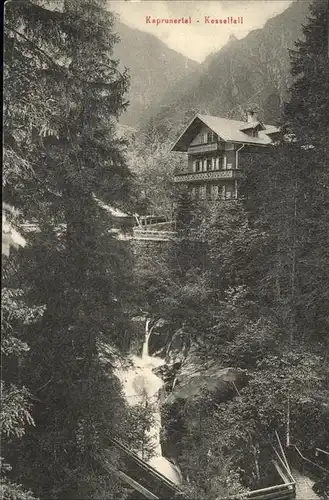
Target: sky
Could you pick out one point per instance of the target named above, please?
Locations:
(198, 39)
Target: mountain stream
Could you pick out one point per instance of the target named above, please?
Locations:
(141, 386)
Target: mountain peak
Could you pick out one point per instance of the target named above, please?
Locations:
(255, 69)
(232, 38)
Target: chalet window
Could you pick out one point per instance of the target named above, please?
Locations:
(253, 132)
(209, 164)
(198, 166)
(229, 192)
(210, 137)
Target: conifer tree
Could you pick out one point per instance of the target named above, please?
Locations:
(287, 198)
(64, 94)
(288, 192)
(306, 115)
(275, 322)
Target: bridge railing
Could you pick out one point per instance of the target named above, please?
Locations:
(286, 491)
(148, 234)
(142, 477)
(152, 491)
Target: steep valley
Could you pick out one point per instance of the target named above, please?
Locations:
(252, 71)
(153, 68)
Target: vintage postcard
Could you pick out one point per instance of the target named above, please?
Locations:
(165, 277)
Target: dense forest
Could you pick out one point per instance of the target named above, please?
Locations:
(67, 296)
(244, 288)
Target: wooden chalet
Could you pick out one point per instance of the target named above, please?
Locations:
(215, 150)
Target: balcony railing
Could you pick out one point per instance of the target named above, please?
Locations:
(211, 175)
(203, 148)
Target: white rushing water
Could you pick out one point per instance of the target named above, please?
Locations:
(142, 386)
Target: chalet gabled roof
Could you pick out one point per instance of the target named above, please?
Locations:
(253, 125)
(227, 130)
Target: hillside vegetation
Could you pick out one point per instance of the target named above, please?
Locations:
(254, 70)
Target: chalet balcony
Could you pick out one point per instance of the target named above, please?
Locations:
(203, 148)
(211, 175)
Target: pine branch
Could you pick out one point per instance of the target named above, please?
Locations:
(36, 48)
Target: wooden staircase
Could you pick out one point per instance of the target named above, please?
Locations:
(142, 477)
(147, 482)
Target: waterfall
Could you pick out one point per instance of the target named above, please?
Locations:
(148, 331)
(142, 386)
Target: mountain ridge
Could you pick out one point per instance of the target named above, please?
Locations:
(152, 66)
(254, 70)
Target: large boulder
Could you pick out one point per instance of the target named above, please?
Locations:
(195, 377)
(178, 348)
(175, 353)
(159, 338)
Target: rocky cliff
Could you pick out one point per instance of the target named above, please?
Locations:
(253, 70)
(153, 67)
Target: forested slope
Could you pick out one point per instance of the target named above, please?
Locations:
(254, 70)
(67, 295)
(246, 288)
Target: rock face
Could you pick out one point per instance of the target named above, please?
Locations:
(194, 378)
(185, 375)
(178, 348)
(254, 70)
(159, 338)
(153, 67)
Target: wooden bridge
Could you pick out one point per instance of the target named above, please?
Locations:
(137, 233)
(140, 234)
(284, 491)
(146, 482)
(153, 235)
(142, 478)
